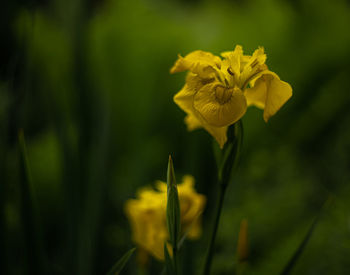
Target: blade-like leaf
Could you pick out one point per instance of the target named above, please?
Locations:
(173, 206)
(173, 212)
(182, 240)
(169, 267)
(121, 263)
(292, 262)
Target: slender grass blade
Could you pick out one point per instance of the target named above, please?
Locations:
(121, 263)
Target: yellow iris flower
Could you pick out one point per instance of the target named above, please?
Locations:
(147, 215)
(218, 91)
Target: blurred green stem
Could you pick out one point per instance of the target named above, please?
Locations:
(209, 259)
(36, 260)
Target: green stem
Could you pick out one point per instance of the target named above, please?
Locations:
(227, 162)
(210, 254)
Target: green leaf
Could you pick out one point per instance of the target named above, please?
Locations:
(293, 260)
(121, 263)
(173, 206)
(180, 242)
(169, 267)
(173, 212)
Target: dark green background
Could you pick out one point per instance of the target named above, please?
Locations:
(89, 84)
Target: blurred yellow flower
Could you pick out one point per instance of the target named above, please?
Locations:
(218, 91)
(147, 215)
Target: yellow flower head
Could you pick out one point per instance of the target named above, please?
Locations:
(218, 91)
(147, 215)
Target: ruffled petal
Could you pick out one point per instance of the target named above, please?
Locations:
(258, 58)
(199, 62)
(278, 93)
(252, 68)
(195, 82)
(238, 51)
(268, 93)
(219, 114)
(184, 99)
(234, 59)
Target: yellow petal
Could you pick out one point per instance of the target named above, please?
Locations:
(192, 205)
(257, 94)
(234, 59)
(219, 133)
(188, 181)
(237, 51)
(253, 67)
(192, 122)
(269, 93)
(161, 186)
(195, 82)
(278, 93)
(184, 98)
(258, 58)
(199, 62)
(219, 113)
(196, 229)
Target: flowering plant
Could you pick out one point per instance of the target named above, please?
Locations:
(218, 91)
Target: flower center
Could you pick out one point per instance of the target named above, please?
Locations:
(223, 94)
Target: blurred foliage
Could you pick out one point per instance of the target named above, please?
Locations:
(89, 84)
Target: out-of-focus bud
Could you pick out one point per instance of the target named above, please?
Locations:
(242, 247)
